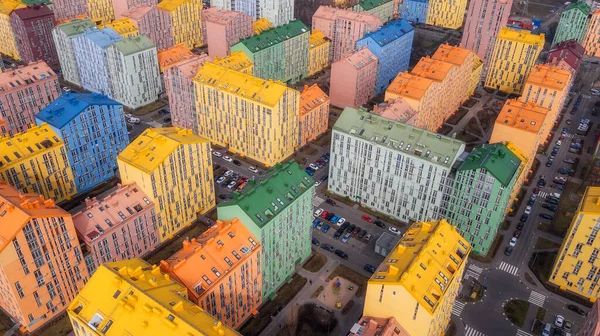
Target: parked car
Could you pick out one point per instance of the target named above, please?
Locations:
(324, 178)
(325, 228)
(568, 325)
(350, 228)
(319, 225)
(512, 242)
(314, 241)
(217, 154)
(330, 201)
(324, 214)
(379, 223)
(552, 201)
(576, 309)
(345, 226)
(167, 120)
(517, 234)
(253, 169)
(394, 230)
(547, 216)
(341, 221)
(559, 321)
(508, 250)
(370, 268)
(362, 233)
(341, 254)
(231, 184)
(313, 166)
(571, 161)
(328, 247)
(337, 234)
(520, 225)
(547, 329)
(330, 216)
(550, 207)
(220, 179)
(346, 237)
(541, 183)
(310, 172)
(558, 186)
(315, 222)
(237, 162)
(549, 163)
(367, 218)
(318, 212)
(527, 210)
(334, 219)
(163, 112)
(356, 230)
(368, 237)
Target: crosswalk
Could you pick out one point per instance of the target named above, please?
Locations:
(569, 135)
(508, 268)
(472, 332)
(523, 333)
(458, 307)
(473, 272)
(542, 194)
(537, 298)
(317, 201)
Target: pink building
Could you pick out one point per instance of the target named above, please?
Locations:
(224, 28)
(353, 79)
(376, 326)
(120, 226)
(591, 325)
(69, 9)
(155, 23)
(32, 28)
(484, 20)
(343, 27)
(179, 82)
(122, 6)
(24, 92)
(397, 109)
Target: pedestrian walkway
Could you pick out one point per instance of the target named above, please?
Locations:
(523, 333)
(542, 194)
(472, 332)
(473, 271)
(508, 268)
(457, 308)
(317, 201)
(537, 298)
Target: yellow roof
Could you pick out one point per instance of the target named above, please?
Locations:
(237, 61)
(8, 6)
(155, 145)
(410, 86)
(591, 200)
(22, 146)
(171, 5)
(424, 262)
(515, 150)
(432, 69)
(138, 299)
(521, 36)
(549, 76)
(451, 54)
(524, 116)
(266, 92)
(317, 38)
(261, 25)
(122, 27)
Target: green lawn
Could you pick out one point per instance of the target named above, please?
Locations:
(543, 244)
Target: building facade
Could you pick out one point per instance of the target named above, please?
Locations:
(253, 117)
(42, 267)
(415, 10)
(174, 168)
(591, 39)
(93, 129)
(591, 325)
(420, 279)
(119, 296)
(34, 162)
(63, 36)
(227, 248)
(65, 10)
(280, 53)
(186, 16)
(279, 12)
(155, 23)
(392, 45)
(384, 9)
(100, 11)
(353, 79)
(390, 167)
(169, 57)
(245, 6)
(573, 23)
(224, 28)
(237, 61)
(318, 52)
(446, 13)
(120, 226)
(32, 28)
(277, 210)
(314, 114)
(547, 86)
(570, 52)
(122, 6)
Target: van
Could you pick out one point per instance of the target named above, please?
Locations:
(557, 195)
(133, 120)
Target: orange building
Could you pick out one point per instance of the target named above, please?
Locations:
(169, 57)
(377, 326)
(314, 113)
(41, 264)
(469, 63)
(221, 270)
(548, 86)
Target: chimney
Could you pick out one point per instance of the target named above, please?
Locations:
(186, 246)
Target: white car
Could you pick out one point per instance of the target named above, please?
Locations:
(217, 154)
(341, 221)
(317, 183)
(394, 230)
(228, 173)
(133, 120)
(513, 242)
(66, 89)
(318, 212)
(558, 143)
(528, 210)
(253, 169)
(231, 184)
(559, 321)
(313, 166)
(227, 158)
(220, 180)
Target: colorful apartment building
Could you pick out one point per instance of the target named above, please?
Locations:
(373, 326)
(279, 12)
(32, 28)
(237, 61)
(100, 11)
(420, 162)
(227, 248)
(224, 28)
(575, 270)
(280, 53)
(169, 57)
(482, 25)
(392, 45)
(132, 297)
(318, 52)
(265, 130)
(384, 9)
(120, 226)
(63, 35)
(515, 54)
(591, 325)
(481, 193)
(122, 6)
(21, 84)
(566, 55)
(154, 23)
(179, 84)
(446, 13)
(65, 10)
(397, 109)
(414, 10)
(33, 162)
(469, 63)
(314, 114)
(248, 7)
(186, 18)
(41, 267)
(419, 280)
(277, 210)
(93, 130)
(174, 168)
(124, 27)
(547, 86)
(573, 23)
(261, 25)
(343, 41)
(591, 39)
(8, 45)
(353, 79)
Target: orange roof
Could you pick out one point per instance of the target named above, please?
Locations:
(549, 76)
(528, 117)
(221, 248)
(451, 54)
(16, 209)
(311, 98)
(432, 69)
(396, 109)
(410, 86)
(168, 57)
(192, 65)
(360, 58)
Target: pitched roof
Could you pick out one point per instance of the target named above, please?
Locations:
(498, 160)
(66, 107)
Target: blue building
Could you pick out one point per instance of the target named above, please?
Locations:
(93, 128)
(414, 10)
(391, 44)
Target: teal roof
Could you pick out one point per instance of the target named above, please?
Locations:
(498, 160)
(274, 36)
(582, 6)
(76, 27)
(367, 5)
(278, 188)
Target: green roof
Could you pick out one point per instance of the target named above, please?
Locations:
(35, 2)
(267, 197)
(500, 161)
(76, 27)
(582, 6)
(367, 5)
(135, 44)
(405, 139)
(274, 36)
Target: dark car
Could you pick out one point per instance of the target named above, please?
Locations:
(531, 202)
(350, 228)
(167, 120)
(558, 186)
(356, 230)
(546, 216)
(330, 201)
(508, 250)
(345, 226)
(520, 225)
(552, 201)
(517, 234)
(549, 163)
(338, 233)
(328, 247)
(324, 178)
(163, 112)
(541, 183)
(565, 171)
(379, 223)
(524, 217)
(362, 233)
(550, 207)
(330, 216)
(341, 254)
(370, 268)
(314, 241)
(570, 161)
(576, 309)
(237, 162)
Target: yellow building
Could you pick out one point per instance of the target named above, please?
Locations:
(36, 162)
(446, 13)
(124, 27)
(523, 170)
(318, 52)
(419, 280)
(100, 11)
(132, 297)
(261, 25)
(186, 16)
(575, 270)
(237, 61)
(548, 86)
(251, 116)
(515, 54)
(174, 167)
(476, 74)
(591, 40)
(8, 45)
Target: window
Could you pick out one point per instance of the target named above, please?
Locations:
(117, 293)
(107, 326)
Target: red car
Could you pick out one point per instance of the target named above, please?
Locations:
(367, 218)
(324, 214)
(517, 234)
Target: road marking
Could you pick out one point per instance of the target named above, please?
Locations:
(508, 268)
(473, 272)
(542, 194)
(458, 307)
(317, 201)
(522, 333)
(472, 332)
(537, 298)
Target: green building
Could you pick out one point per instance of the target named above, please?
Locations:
(279, 53)
(382, 8)
(573, 23)
(278, 211)
(481, 192)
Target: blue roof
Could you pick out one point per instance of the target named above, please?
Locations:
(103, 37)
(68, 106)
(390, 32)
